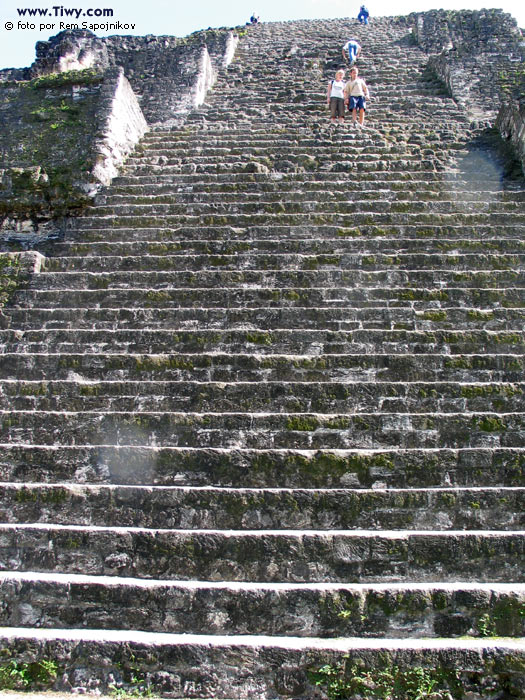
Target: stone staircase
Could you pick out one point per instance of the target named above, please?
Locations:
(262, 410)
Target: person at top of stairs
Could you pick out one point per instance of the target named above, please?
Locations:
(351, 51)
(335, 97)
(363, 15)
(356, 93)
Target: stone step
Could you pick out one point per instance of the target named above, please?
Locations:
(385, 120)
(412, 165)
(263, 509)
(281, 138)
(271, 108)
(262, 131)
(347, 143)
(367, 367)
(377, 79)
(264, 431)
(253, 146)
(323, 249)
(299, 158)
(263, 99)
(277, 297)
(244, 666)
(224, 389)
(320, 179)
(438, 109)
(305, 152)
(402, 164)
(144, 219)
(325, 184)
(395, 611)
(311, 130)
(311, 191)
(273, 468)
(329, 279)
(288, 556)
(260, 320)
(311, 148)
(282, 261)
(395, 185)
(288, 191)
(410, 77)
(310, 134)
(316, 232)
(296, 342)
(383, 124)
(298, 187)
(452, 183)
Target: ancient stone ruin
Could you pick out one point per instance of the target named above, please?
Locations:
(262, 379)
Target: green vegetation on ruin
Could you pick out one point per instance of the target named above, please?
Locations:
(345, 680)
(27, 676)
(49, 143)
(9, 277)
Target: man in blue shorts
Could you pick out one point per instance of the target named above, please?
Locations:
(351, 51)
(356, 93)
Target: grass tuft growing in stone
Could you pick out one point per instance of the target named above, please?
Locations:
(37, 675)
(391, 683)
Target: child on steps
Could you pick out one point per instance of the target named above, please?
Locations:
(335, 97)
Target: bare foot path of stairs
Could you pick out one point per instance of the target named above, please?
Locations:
(263, 409)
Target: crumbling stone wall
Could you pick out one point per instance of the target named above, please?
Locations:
(169, 75)
(46, 132)
(16, 270)
(511, 124)
(123, 126)
(60, 137)
(479, 56)
(69, 120)
(474, 31)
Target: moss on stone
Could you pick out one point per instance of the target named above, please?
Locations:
(490, 390)
(9, 277)
(150, 363)
(87, 76)
(490, 424)
(260, 338)
(48, 144)
(349, 232)
(34, 389)
(434, 316)
(302, 423)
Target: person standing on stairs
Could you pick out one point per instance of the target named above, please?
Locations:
(351, 51)
(335, 97)
(356, 93)
(363, 15)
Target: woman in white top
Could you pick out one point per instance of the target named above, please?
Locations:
(356, 93)
(335, 97)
